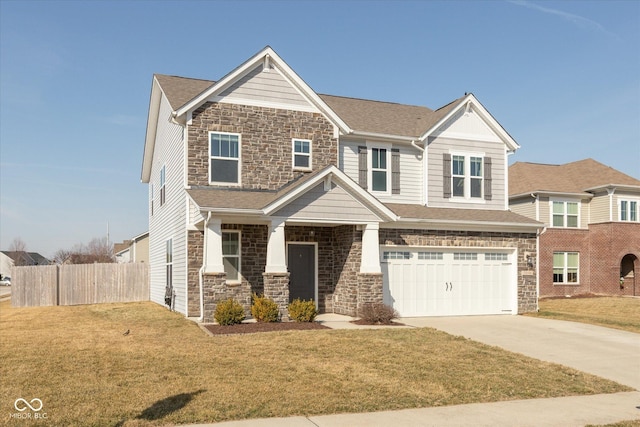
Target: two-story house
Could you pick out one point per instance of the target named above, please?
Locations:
(591, 240)
(259, 184)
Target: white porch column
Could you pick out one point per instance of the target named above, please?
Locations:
(213, 246)
(370, 249)
(276, 253)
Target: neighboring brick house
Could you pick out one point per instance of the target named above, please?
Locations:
(591, 243)
(259, 184)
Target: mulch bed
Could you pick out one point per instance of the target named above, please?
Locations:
(251, 328)
(577, 296)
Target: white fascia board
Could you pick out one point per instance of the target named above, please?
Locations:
(382, 136)
(558, 194)
(511, 144)
(439, 224)
(340, 177)
(249, 65)
(616, 186)
(152, 126)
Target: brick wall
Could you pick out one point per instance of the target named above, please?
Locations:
(266, 135)
(602, 248)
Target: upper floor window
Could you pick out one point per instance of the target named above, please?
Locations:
(629, 210)
(467, 176)
(565, 213)
(224, 160)
(379, 169)
(565, 267)
(162, 185)
(301, 154)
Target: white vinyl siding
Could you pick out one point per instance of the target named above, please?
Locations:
(170, 221)
(411, 174)
(438, 147)
(267, 88)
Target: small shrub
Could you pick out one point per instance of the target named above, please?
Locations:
(302, 311)
(264, 309)
(229, 312)
(377, 313)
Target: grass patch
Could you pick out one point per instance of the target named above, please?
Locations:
(612, 312)
(168, 371)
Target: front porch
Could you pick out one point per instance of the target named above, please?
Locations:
(345, 272)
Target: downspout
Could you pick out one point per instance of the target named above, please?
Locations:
(204, 264)
(413, 144)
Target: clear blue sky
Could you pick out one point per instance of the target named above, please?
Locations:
(562, 77)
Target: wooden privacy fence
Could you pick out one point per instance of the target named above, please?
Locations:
(79, 284)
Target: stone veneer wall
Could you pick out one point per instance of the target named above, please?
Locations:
(195, 243)
(347, 252)
(276, 287)
(266, 135)
(524, 243)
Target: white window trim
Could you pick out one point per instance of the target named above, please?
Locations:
(163, 185)
(565, 267)
(239, 256)
(380, 146)
(628, 200)
(226, 184)
(294, 153)
(565, 201)
(467, 177)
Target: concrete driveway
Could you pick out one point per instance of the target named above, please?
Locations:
(608, 353)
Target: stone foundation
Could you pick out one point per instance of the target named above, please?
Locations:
(276, 287)
(215, 289)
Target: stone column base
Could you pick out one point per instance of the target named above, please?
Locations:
(369, 289)
(276, 287)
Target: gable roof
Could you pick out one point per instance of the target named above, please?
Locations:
(180, 90)
(571, 178)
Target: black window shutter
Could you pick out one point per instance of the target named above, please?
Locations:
(362, 167)
(487, 178)
(395, 171)
(446, 175)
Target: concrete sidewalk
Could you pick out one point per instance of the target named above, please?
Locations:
(605, 352)
(557, 412)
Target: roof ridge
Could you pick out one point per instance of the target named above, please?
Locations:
(375, 100)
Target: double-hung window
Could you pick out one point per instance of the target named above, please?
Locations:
(565, 213)
(379, 170)
(629, 210)
(231, 254)
(301, 154)
(224, 160)
(565, 267)
(162, 185)
(467, 180)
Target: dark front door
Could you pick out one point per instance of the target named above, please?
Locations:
(301, 261)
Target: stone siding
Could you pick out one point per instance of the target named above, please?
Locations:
(195, 243)
(347, 248)
(276, 287)
(266, 134)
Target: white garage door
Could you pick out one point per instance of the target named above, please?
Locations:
(425, 282)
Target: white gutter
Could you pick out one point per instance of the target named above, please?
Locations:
(201, 272)
(413, 144)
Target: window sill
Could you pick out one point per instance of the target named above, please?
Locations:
(302, 169)
(566, 284)
(474, 201)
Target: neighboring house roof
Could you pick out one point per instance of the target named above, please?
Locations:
(27, 258)
(571, 178)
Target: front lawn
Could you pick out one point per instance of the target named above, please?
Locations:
(612, 312)
(166, 370)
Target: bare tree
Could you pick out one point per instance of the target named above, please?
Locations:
(97, 250)
(17, 245)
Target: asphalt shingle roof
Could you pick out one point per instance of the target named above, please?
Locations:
(575, 177)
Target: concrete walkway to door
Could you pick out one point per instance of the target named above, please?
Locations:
(608, 353)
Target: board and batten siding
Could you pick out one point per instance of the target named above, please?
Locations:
(169, 220)
(435, 174)
(269, 87)
(411, 182)
(318, 204)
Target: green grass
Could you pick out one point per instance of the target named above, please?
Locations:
(612, 312)
(168, 371)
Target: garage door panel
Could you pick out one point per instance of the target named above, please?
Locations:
(449, 283)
